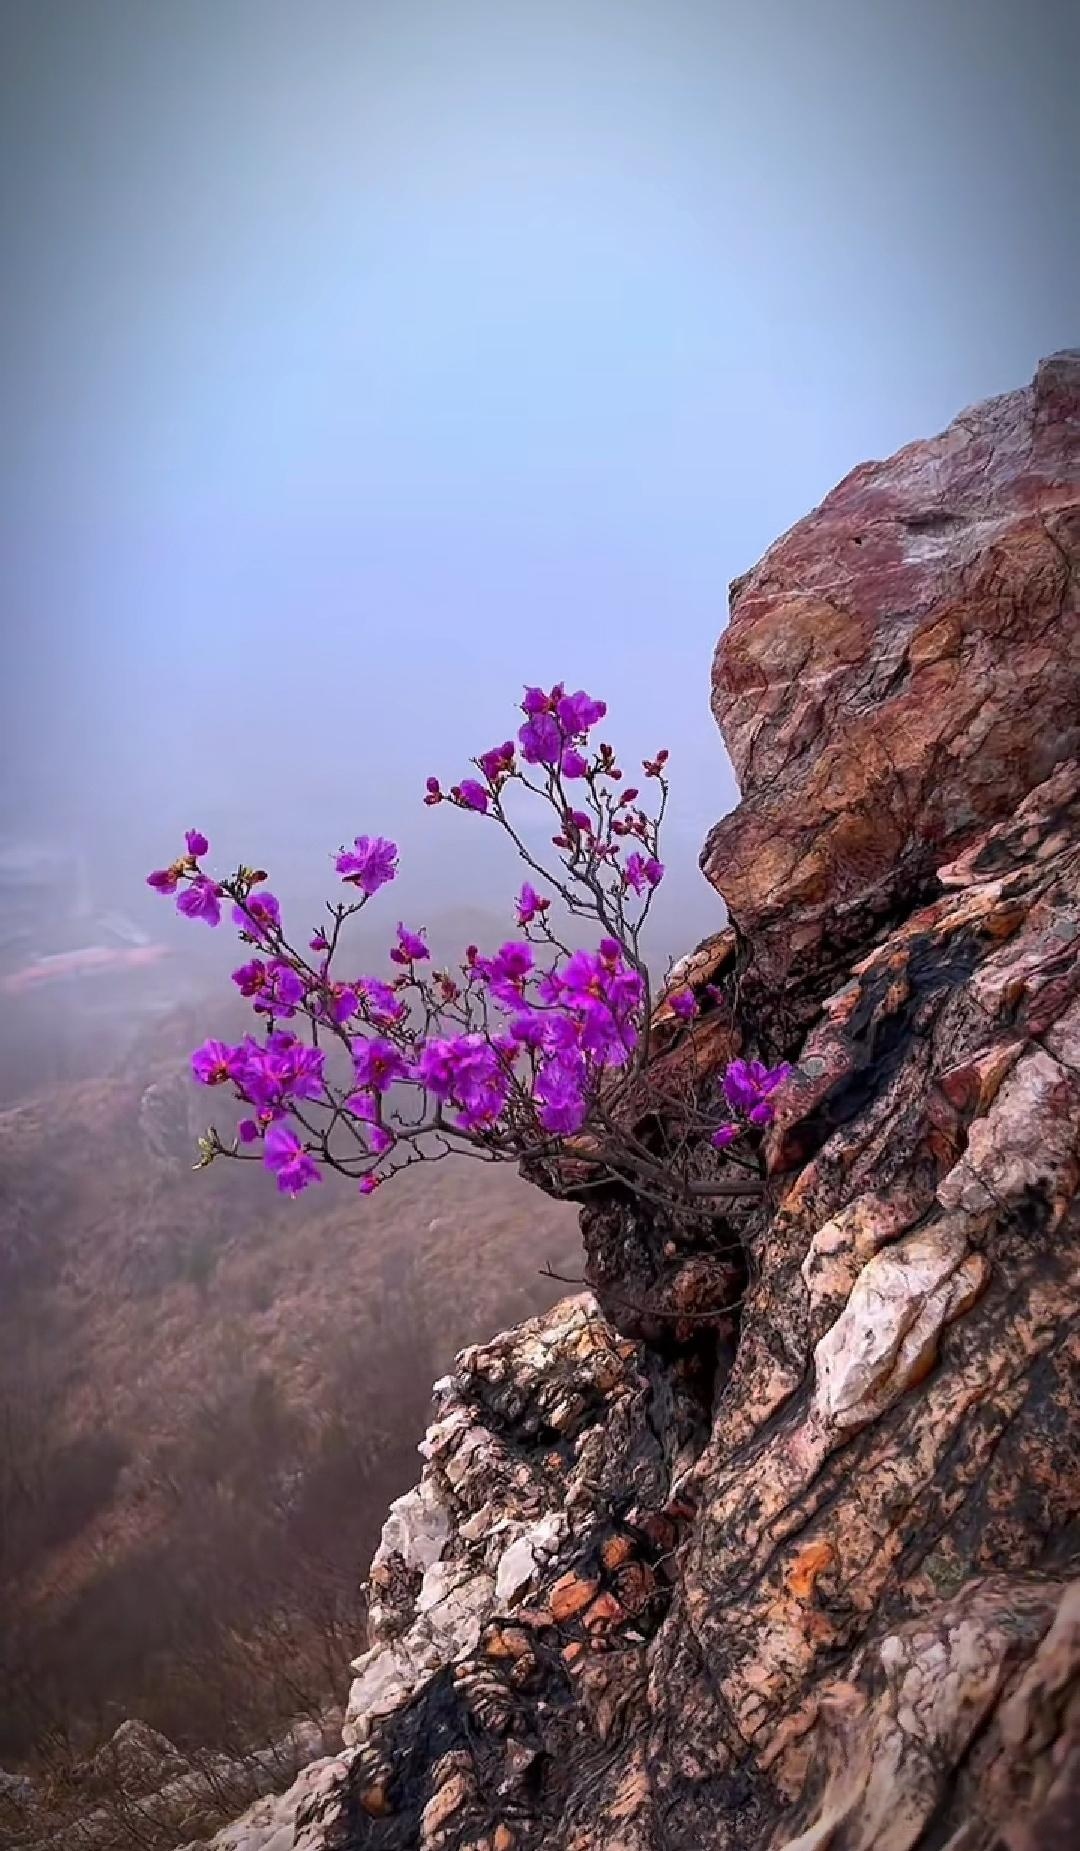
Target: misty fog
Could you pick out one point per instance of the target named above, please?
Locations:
(362, 362)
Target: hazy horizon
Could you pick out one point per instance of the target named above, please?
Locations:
(364, 362)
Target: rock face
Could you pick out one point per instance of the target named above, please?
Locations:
(901, 668)
(522, 1579)
(800, 1573)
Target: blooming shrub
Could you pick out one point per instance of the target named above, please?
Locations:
(523, 1053)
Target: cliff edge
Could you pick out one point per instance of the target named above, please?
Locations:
(779, 1548)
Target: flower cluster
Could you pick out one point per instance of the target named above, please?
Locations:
(554, 756)
(268, 1074)
(748, 1088)
(513, 1052)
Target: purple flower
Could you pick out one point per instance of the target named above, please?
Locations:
(247, 1131)
(573, 764)
(164, 880)
(382, 1004)
(285, 989)
(473, 795)
(683, 1005)
(302, 1069)
(642, 872)
(514, 960)
(529, 1028)
(741, 1083)
(563, 1033)
(281, 1068)
(369, 864)
(507, 971)
(377, 1063)
(201, 900)
(529, 904)
(749, 1084)
(605, 993)
(498, 762)
(536, 701)
(197, 843)
(723, 1136)
(584, 977)
(285, 1156)
(410, 948)
(342, 1003)
(468, 1071)
(562, 1114)
(434, 1068)
(368, 1184)
(549, 987)
(559, 1095)
(434, 791)
(250, 978)
(578, 712)
(606, 1038)
(259, 915)
(541, 740)
(214, 1063)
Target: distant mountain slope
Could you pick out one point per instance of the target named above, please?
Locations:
(208, 1392)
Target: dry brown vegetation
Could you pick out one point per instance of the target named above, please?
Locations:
(208, 1395)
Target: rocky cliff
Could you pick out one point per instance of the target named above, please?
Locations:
(780, 1551)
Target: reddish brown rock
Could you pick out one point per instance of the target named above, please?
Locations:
(605, 1611)
(901, 669)
(569, 1596)
(616, 1550)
